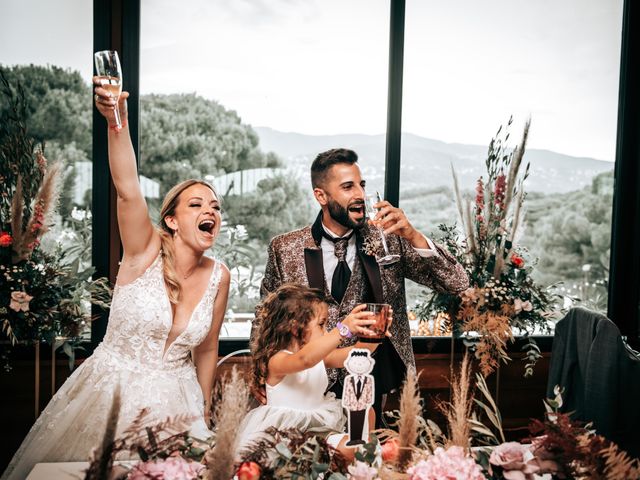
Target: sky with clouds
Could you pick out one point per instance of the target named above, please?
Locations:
(320, 66)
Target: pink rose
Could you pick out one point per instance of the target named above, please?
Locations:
(20, 301)
(452, 463)
(172, 468)
(362, 471)
(516, 460)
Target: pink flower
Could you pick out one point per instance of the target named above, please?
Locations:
(5, 239)
(172, 468)
(20, 301)
(520, 306)
(362, 471)
(516, 460)
(453, 464)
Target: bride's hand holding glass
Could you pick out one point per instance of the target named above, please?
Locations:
(106, 104)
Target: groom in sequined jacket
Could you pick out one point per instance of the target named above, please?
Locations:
(312, 255)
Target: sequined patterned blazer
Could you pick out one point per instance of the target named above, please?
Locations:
(296, 257)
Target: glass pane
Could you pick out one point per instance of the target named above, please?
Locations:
(47, 49)
(245, 95)
(469, 67)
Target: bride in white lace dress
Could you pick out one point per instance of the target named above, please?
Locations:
(161, 345)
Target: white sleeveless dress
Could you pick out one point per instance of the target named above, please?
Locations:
(131, 357)
(297, 401)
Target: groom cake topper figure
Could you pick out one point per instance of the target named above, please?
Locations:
(358, 394)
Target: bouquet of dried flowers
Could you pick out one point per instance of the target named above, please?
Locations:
(44, 295)
(502, 294)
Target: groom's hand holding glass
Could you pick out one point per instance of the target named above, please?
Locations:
(394, 221)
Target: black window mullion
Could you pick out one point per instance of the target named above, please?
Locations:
(624, 278)
(394, 103)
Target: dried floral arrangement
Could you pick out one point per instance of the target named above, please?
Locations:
(502, 295)
(44, 295)
(414, 449)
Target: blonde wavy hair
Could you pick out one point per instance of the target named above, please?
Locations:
(169, 204)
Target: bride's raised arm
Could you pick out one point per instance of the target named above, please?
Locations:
(139, 237)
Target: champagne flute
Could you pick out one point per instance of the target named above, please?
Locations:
(388, 257)
(110, 76)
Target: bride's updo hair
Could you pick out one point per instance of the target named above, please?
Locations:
(168, 209)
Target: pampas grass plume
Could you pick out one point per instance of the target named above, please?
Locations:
(458, 410)
(410, 410)
(228, 415)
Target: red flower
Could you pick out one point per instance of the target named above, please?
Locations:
(517, 261)
(249, 471)
(390, 450)
(5, 239)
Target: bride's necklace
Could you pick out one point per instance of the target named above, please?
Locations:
(193, 269)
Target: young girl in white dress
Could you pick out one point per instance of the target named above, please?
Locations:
(291, 353)
(161, 345)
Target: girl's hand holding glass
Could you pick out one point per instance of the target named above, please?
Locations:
(358, 320)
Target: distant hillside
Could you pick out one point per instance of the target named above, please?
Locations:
(426, 163)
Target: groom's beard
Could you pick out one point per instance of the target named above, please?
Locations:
(341, 215)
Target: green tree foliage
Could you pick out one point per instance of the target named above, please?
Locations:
(277, 206)
(185, 136)
(58, 104)
(568, 231)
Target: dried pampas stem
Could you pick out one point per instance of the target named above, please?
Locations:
(456, 189)
(458, 411)
(228, 415)
(516, 161)
(43, 205)
(410, 410)
(516, 216)
(17, 211)
(468, 224)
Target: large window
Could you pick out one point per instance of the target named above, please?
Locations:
(469, 66)
(47, 48)
(245, 94)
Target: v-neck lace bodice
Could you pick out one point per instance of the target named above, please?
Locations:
(141, 319)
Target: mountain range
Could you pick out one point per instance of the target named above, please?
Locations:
(426, 163)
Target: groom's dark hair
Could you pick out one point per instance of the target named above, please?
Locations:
(325, 160)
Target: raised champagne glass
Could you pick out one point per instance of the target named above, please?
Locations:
(110, 75)
(388, 258)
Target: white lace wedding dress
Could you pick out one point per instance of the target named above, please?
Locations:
(132, 357)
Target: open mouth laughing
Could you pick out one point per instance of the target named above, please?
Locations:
(207, 226)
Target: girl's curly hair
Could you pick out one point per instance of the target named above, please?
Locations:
(282, 319)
